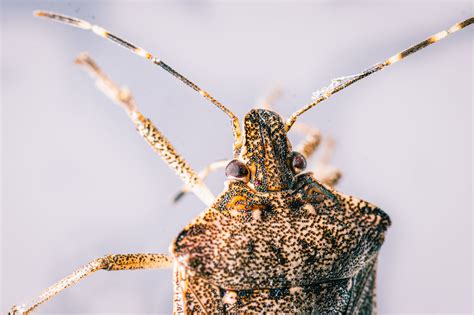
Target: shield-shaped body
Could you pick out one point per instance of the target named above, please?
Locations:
(278, 241)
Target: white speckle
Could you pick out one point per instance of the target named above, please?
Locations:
(134, 115)
(309, 208)
(327, 91)
(296, 290)
(141, 52)
(454, 28)
(230, 297)
(99, 30)
(234, 212)
(438, 36)
(84, 25)
(394, 59)
(349, 284)
(183, 259)
(257, 215)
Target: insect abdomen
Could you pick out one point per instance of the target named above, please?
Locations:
(354, 295)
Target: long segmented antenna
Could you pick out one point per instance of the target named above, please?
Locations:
(145, 54)
(343, 82)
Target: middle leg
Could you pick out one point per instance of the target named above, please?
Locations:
(203, 174)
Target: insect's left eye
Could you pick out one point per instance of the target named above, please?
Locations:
(237, 170)
(298, 162)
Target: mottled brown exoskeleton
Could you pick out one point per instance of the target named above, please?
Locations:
(276, 239)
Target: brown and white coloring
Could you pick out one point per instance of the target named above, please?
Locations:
(277, 239)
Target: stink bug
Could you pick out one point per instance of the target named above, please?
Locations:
(265, 197)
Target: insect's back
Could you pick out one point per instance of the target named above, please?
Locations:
(310, 249)
(277, 240)
(346, 296)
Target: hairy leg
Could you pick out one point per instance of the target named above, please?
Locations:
(108, 262)
(323, 170)
(147, 129)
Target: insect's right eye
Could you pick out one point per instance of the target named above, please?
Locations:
(237, 170)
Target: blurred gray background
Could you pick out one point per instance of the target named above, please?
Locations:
(78, 182)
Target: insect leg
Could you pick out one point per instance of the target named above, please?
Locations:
(311, 142)
(267, 102)
(323, 170)
(145, 127)
(203, 174)
(109, 262)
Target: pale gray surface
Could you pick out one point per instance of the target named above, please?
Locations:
(78, 182)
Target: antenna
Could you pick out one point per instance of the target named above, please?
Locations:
(343, 82)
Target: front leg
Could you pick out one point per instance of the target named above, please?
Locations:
(109, 263)
(148, 130)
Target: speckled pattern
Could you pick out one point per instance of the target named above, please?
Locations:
(166, 150)
(279, 242)
(108, 262)
(274, 240)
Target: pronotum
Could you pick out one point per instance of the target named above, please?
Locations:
(217, 266)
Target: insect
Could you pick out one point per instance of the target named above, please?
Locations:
(256, 209)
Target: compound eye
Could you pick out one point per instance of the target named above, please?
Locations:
(298, 162)
(237, 170)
